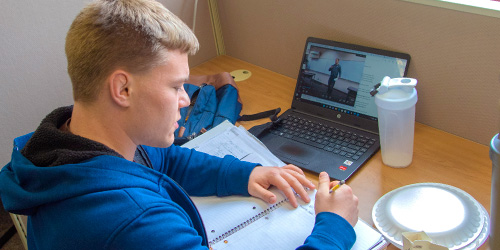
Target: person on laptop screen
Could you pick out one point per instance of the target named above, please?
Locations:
(335, 72)
(103, 173)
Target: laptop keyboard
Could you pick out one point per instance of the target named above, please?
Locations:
(338, 141)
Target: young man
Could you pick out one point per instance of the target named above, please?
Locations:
(103, 174)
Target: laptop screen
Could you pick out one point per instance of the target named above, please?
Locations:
(338, 77)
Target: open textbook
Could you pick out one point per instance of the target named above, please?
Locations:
(236, 222)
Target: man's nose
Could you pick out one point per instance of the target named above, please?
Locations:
(184, 99)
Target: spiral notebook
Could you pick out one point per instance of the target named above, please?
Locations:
(236, 222)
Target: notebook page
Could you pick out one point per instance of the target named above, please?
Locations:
(222, 214)
(288, 228)
(371, 237)
(284, 228)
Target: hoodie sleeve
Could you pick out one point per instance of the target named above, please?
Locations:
(330, 232)
(201, 174)
(159, 227)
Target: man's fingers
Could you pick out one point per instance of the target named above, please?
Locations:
(285, 187)
(324, 182)
(294, 168)
(297, 182)
(289, 179)
(297, 173)
(264, 194)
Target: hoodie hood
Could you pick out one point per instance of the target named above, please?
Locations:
(46, 164)
(51, 146)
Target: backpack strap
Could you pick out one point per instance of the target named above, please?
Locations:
(272, 114)
(260, 130)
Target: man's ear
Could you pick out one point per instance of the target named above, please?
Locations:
(119, 87)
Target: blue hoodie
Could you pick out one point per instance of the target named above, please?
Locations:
(79, 194)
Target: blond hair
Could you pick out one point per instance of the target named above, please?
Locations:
(129, 34)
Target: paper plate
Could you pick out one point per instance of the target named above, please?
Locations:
(485, 232)
(448, 215)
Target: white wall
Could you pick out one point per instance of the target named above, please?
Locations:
(454, 55)
(33, 76)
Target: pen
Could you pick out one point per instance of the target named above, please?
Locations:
(342, 182)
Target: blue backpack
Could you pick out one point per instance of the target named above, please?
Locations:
(210, 106)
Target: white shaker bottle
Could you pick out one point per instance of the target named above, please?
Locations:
(396, 99)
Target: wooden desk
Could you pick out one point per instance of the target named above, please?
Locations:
(438, 156)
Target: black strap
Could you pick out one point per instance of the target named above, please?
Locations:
(260, 130)
(7, 236)
(271, 114)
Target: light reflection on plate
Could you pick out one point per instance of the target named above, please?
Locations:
(450, 216)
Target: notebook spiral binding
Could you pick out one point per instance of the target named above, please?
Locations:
(247, 222)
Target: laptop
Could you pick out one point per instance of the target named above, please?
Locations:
(332, 124)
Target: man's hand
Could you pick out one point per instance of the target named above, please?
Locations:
(342, 201)
(287, 179)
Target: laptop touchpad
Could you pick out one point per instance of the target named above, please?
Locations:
(297, 153)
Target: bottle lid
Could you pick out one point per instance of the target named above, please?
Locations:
(396, 93)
